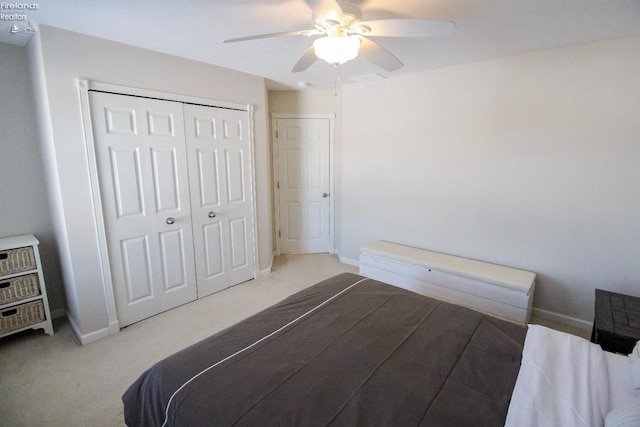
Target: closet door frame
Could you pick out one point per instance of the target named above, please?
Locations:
(84, 86)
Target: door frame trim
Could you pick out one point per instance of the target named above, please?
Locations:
(331, 117)
(84, 86)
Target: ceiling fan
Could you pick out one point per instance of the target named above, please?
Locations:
(342, 35)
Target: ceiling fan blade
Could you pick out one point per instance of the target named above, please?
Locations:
(280, 34)
(409, 28)
(378, 55)
(326, 9)
(305, 61)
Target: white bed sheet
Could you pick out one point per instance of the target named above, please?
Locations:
(566, 380)
(621, 387)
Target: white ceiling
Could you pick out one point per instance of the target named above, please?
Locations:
(195, 29)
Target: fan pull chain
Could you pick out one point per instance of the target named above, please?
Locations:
(336, 81)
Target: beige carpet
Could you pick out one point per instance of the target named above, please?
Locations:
(54, 381)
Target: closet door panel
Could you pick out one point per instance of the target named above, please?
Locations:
(235, 176)
(239, 238)
(164, 163)
(142, 171)
(173, 260)
(213, 256)
(127, 186)
(219, 153)
(207, 189)
(137, 268)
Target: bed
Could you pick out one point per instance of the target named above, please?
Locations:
(353, 351)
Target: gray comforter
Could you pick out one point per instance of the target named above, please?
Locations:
(347, 351)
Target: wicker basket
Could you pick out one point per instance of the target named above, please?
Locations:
(19, 288)
(17, 260)
(20, 316)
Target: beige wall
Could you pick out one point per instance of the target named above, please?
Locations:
(304, 102)
(23, 192)
(58, 59)
(531, 161)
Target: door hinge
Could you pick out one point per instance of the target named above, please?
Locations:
(276, 133)
(279, 233)
(278, 184)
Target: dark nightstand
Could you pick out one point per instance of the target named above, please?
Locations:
(617, 322)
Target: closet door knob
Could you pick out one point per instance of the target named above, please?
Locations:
(212, 214)
(170, 220)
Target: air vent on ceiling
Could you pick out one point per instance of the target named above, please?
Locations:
(368, 78)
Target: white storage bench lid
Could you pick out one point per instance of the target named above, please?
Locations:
(512, 278)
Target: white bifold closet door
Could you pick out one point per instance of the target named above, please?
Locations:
(169, 174)
(219, 157)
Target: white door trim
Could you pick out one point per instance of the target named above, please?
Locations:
(145, 93)
(331, 118)
(84, 86)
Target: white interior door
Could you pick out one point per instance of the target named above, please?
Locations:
(142, 168)
(303, 184)
(219, 153)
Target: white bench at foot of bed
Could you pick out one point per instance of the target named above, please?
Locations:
(500, 291)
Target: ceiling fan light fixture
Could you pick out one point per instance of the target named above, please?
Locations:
(337, 50)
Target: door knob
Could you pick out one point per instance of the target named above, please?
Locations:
(212, 214)
(170, 220)
(325, 194)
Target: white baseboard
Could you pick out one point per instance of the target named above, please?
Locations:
(563, 319)
(267, 271)
(58, 313)
(93, 336)
(348, 261)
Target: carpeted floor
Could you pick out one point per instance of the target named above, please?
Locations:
(54, 381)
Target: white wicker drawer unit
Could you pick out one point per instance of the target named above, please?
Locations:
(23, 295)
